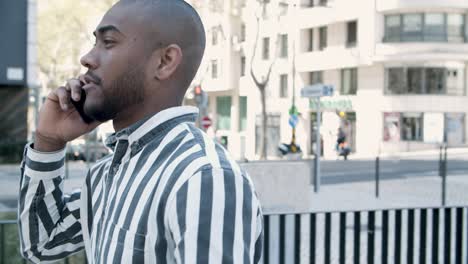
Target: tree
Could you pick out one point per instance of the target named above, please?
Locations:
(263, 83)
(64, 33)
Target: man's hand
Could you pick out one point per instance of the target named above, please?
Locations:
(59, 122)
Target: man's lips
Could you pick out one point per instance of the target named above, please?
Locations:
(89, 78)
(88, 86)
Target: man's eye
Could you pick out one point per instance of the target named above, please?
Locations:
(108, 42)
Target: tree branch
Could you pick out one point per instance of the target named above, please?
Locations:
(257, 82)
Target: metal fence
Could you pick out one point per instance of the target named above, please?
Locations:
(413, 235)
(422, 235)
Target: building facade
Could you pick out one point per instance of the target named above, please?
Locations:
(17, 74)
(399, 69)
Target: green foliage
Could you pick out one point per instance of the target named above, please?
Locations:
(10, 244)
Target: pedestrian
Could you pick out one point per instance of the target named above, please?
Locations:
(168, 193)
(340, 138)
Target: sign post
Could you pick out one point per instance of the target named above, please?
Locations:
(315, 92)
(206, 122)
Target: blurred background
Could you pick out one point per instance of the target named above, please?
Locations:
(368, 98)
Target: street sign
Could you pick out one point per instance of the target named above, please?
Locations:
(317, 90)
(293, 120)
(206, 122)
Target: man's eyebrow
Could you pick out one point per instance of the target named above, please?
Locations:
(104, 29)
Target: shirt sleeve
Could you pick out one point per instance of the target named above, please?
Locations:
(215, 217)
(49, 221)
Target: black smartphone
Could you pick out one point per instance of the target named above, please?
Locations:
(79, 107)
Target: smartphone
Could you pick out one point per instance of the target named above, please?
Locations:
(79, 107)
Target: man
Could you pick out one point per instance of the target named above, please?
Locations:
(168, 194)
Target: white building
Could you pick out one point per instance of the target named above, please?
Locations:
(399, 68)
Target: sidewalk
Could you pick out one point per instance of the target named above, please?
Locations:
(396, 155)
(425, 191)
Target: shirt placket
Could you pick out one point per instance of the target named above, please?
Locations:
(120, 150)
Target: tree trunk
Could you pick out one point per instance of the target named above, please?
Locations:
(263, 153)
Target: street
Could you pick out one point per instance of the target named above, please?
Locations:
(336, 172)
(343, 175)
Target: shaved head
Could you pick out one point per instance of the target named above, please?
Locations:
(146, 54)
(174, 22)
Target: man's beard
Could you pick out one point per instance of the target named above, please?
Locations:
(125, 91)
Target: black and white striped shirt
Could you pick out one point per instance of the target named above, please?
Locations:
(168, 194)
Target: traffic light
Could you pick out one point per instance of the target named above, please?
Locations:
(198, 90)
(201, 98)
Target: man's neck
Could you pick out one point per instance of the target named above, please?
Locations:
(136, 113)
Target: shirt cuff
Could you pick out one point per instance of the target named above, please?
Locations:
(44, 165)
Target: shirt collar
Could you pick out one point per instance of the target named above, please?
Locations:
(145, 129)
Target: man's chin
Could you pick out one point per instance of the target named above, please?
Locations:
(99, 114)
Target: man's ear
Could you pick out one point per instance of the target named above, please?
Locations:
(165, 61)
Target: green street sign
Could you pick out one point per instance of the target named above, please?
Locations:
(343, 105)
(293, 111)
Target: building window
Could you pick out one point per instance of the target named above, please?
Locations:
(242, 32)
(307, 3)
(411, 127)
(429, 27)
(392, 126)
(283, 8)
(284, 46)
(351, 34)
(455, 27)
(455, 129)
(323, 2)
(392, 28)
(396, 81)
(412, 27)
(214, 36)
(310, 46)
(435, 80)
(323, 38)
(242, 113)
(349, 81)
(414, 80)
(266, 48)
(283, 85)
(434, 27)
(315, 77)
(242, 65)
(214, 69)
(223, 112)
(424, 80)
(216, 6)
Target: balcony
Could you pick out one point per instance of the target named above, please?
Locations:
(411, 51)
(390, 5)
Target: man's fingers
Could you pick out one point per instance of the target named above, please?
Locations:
(64, 98)
(74, 87)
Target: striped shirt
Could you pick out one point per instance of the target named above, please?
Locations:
(167, 194)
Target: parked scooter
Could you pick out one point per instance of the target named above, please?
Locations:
(344, 150)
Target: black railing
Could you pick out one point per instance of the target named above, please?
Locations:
(422, 235)
(414, 235)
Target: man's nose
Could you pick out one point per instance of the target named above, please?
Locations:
(89, 60)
